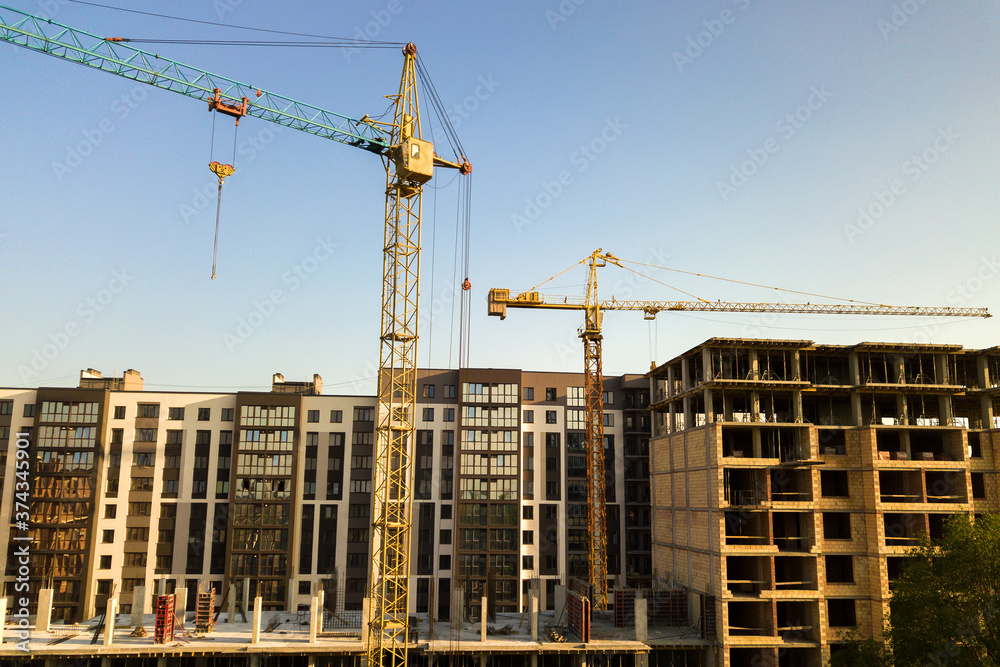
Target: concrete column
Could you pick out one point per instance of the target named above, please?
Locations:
(366, 613)
(641, 630)
(482, 660)
(534, 618)
(231, 618)
(560, 600)
(44, 616)
(3, 617)
(161, 586)
(311, 661)
(534, 660)
(457, 608)
(110, 615)
(255, 660)
(161, 661)
(314, 612)
(138, 605)
(482, 619)
(245, 598)
(258, 604)
(180, 602)
(641, 660)
(105, 662)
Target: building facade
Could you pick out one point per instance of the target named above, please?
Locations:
(791, 480)
(132, 488)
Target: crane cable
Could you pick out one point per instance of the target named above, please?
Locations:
(221, 171)
(742, 282)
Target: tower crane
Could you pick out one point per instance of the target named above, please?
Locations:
(409, 162)
(499, 300)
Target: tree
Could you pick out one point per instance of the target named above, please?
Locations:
(945, 607)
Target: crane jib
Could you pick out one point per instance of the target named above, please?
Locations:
(112, 56)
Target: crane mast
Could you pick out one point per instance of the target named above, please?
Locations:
(499, 300)
(409, 163)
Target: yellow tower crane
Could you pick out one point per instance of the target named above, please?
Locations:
(590, 333)
(409, 162)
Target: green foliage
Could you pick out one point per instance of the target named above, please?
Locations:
(860, 652)
(945, 608)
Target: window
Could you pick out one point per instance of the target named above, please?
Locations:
(139, 509)
(175, 437)
(312, 416)
(137, 534)
(141, 484)
(449, 391)
(145, 435)
(839, 570)
(527, 562)
(428, 391)
(175, 413)
(445, 511)
(528, 536)
(164, 562)
(357, 535)
(836, 525)
(112, 487)
(550, 393)
(227, 414)
(445, 537)
(834, 483)
(529, 393)
(607, 397)
(978, 485)
(529, 417)
(168, 511)
(364, 414)
(204, 414)
(449, 414)
(609, 419)
(841, 613)
(119, 412)
(336, 416)
(173, 461)
(104, 563)
(528, 513)
(110, 511)
(143, 459)
(444, 562)
(135, 560)
(550, 416)
(361, 486)
(170, 486)
(552, 440)
(115, 460)
(108, 537)
(6, 408)
(149, 410)
(203, 438)
(428, 415)
(29, 409)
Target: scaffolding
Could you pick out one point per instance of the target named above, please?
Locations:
(205, 611)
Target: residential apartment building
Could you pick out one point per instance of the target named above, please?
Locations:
(134, 488)
(791, 480)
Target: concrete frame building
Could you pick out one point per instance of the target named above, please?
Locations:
(791, 480)
(134, 488)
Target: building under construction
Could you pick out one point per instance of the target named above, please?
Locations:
(790, 481)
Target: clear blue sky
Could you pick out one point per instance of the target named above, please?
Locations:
(734, 137)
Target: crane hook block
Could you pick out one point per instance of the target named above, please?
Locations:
(466, 285)
(221, 170)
